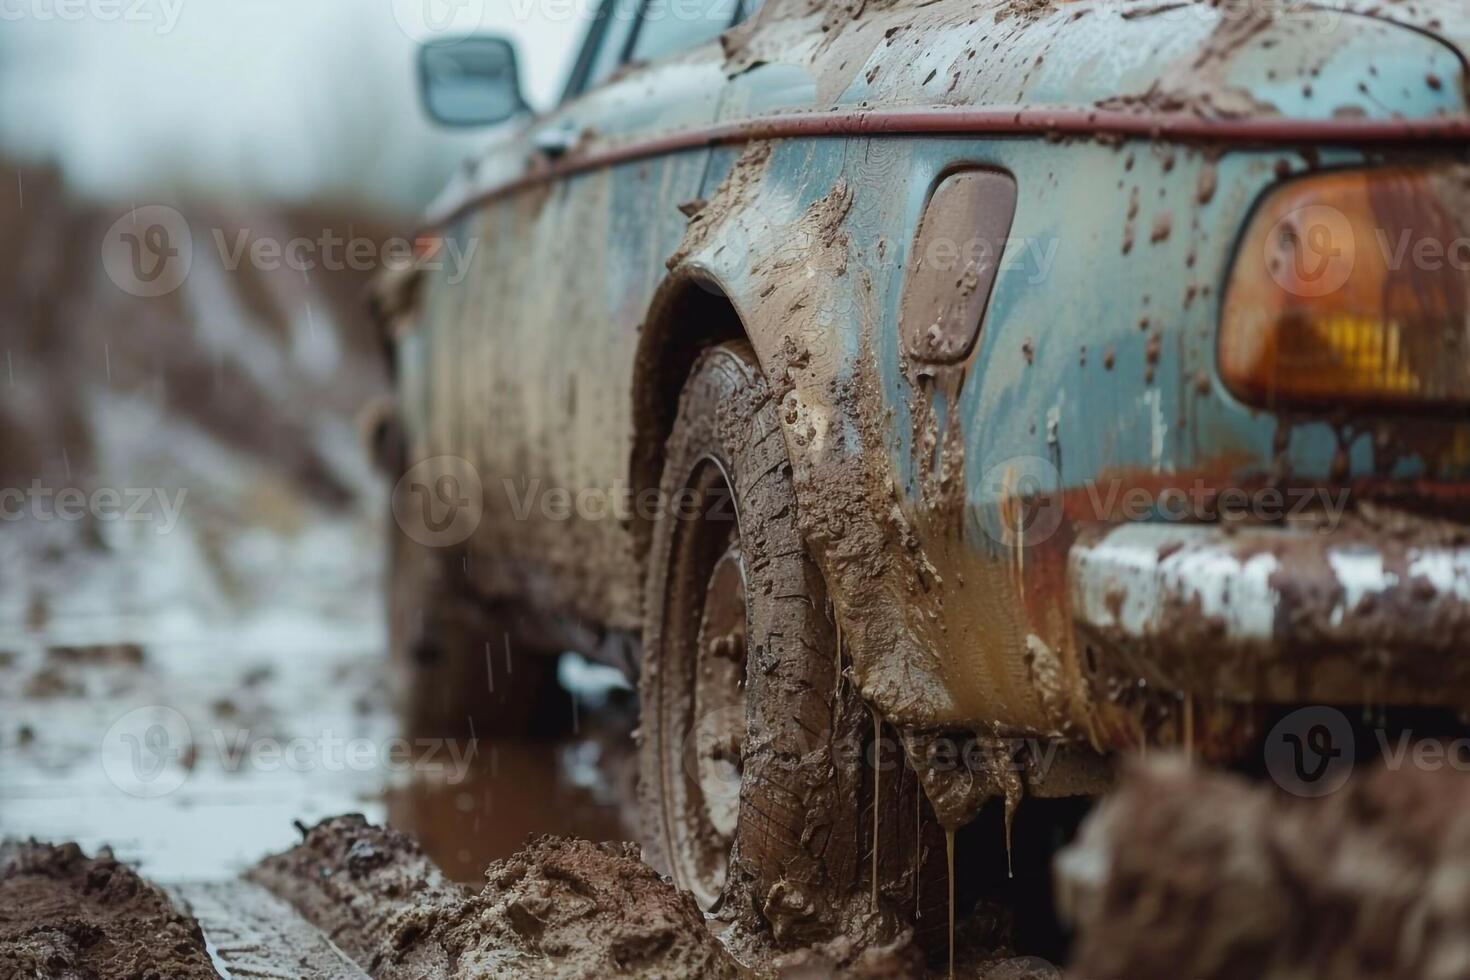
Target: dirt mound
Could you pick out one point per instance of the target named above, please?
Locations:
(558, 909)
(71, 917)
(373, 892)
(1187, 873)
(592, 910)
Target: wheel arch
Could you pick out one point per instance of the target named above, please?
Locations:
(690, 313)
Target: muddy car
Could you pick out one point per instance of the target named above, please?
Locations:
(867, 379)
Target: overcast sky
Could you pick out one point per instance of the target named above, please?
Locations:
(289, 99)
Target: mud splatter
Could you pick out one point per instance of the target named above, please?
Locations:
(731, 193)
(1198, 84)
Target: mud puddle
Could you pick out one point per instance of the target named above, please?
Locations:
(517, 789)
(140, 753)
(141, 701)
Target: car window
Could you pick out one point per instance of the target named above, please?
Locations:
(622, 18)
(604, 46)
(670, 26)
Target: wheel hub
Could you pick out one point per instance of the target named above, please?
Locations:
(719, 697)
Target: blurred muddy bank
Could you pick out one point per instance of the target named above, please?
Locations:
(193, 542)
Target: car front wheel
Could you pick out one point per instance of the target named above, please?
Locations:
(759, 787)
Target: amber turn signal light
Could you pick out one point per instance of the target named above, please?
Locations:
(1353, 287)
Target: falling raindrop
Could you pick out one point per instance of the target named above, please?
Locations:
(949, 859)
(877, 794)
(837, 691)
(918, 840)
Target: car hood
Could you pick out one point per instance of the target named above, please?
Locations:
(1292, 60)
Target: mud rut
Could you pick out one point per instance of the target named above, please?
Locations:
(1181, 872)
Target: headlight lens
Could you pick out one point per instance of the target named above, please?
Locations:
(1354, 286)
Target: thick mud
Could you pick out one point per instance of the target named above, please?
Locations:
(558, 909)
(64, 915)
(354, 901)
(1190, 873)
(1182, 872)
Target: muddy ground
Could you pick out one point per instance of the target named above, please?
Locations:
(1181, 872)
(63, 914)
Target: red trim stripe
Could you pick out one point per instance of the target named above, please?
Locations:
(1274, 131)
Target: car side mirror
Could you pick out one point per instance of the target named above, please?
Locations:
(470, 81)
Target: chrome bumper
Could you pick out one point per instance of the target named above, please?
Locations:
(1278, 613)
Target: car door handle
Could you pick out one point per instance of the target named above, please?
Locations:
(556, 141)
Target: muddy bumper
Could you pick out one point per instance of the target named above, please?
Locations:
(1276, 613)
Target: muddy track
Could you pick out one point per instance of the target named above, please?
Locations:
(250, 934)
(64, 915)
(559, 909)
(1182, 872)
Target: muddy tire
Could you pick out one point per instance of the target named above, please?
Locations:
(756, 783)
(462, 666)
